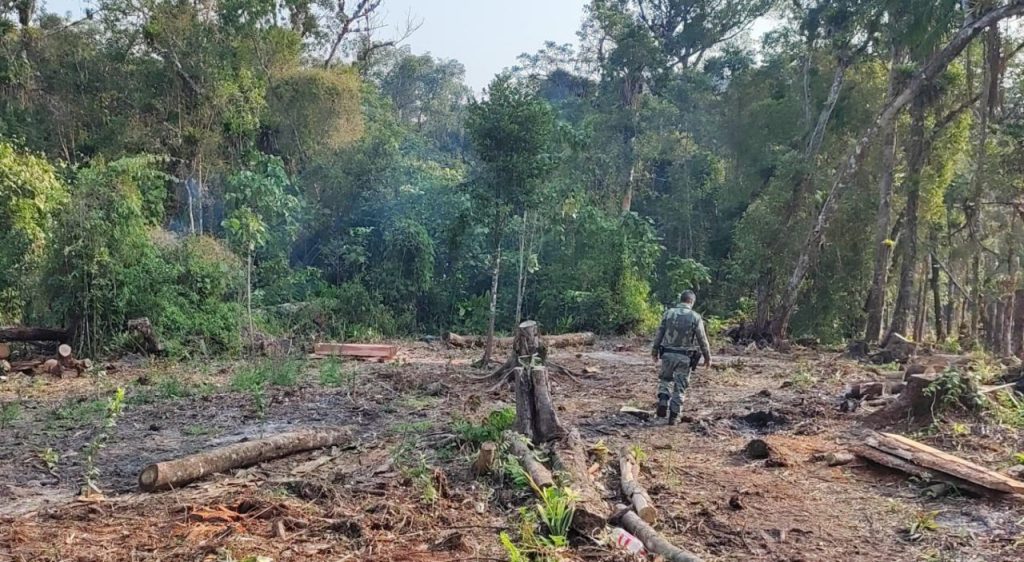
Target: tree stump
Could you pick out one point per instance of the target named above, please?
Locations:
(528, 349)
(144, 329)
(917, 404)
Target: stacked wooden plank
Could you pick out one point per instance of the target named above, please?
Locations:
(372, 352)
(918, 459)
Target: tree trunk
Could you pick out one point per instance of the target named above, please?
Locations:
(248, 302)
(935, 65)
(179, 472)
(1018, 323)
(21, 333)
(908, 242)
(940, 330)
(489, 346)
(521, 278)
(883, 219)
(921, 311)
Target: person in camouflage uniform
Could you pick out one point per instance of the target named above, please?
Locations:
(679, 343)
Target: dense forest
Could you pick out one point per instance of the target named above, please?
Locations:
(245, 167)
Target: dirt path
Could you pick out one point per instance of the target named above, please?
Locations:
(402, 490)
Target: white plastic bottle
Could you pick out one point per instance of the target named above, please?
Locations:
(625, 540)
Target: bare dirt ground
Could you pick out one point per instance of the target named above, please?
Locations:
(402, 489)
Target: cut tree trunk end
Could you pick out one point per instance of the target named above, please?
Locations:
(485, 458)
(653, 541)
(179, 472)
(5, 351)
(632, 490)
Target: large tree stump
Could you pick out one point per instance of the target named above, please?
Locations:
(179, 472)
(917, 404)
(528, 349)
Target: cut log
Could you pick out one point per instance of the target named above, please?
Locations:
(539, 473)
(67, 361)
(570, 457)
(632, 490)
(896, 463)
(357, 350)
(839, 458)
(50, 367)
(653, 541)
(179, 472)
(5, 351)
(143, 328)
(23, 333)
(579, 339)
(936, 460)
(485, 458)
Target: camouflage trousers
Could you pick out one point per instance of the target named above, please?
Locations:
(673, 380)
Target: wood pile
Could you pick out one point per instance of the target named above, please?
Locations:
(364, 351)
(922, 461)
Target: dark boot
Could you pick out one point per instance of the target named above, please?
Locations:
(662, 410)
(672, 419)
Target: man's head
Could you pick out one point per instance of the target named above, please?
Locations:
(688, 297)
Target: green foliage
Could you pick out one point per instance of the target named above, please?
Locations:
(9, 413)
(315, 111)
(490, 429)
(31, 194)
(334, 373)
(686, 274)
(112, 412)
(952, 390)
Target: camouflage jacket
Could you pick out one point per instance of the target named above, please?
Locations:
(681, 331)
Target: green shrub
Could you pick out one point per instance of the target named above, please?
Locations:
(490, 429)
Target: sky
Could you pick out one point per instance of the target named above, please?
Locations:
(484, 35)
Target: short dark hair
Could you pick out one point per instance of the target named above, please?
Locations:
(688, 296)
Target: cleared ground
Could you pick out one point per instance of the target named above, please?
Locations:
(403, 491)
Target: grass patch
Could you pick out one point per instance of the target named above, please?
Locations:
(78, 412)
(490, 429)
(413, 427)
(9, 413)
(802, 379)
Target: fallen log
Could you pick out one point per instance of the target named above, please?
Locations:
(934, 459)
(25, 333)
(179, 472)
(577, 339)
(632, 490)
(357, 350)
(891, 461)
(67, 360)
(653, 541)
(539, 473)
(570, 456)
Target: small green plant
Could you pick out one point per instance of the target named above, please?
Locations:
(960, 429)
(78, 413)
(638, 454)
(106, 429)
(490, 429)
(1009, 410)
(172, 388)
(50, 459)
(1018, 458)
(923, 521)
(515, 472)
(953, 389)
(803, 379)
(556, 509)
(515, 554)
(333, 373)
(9, 413)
